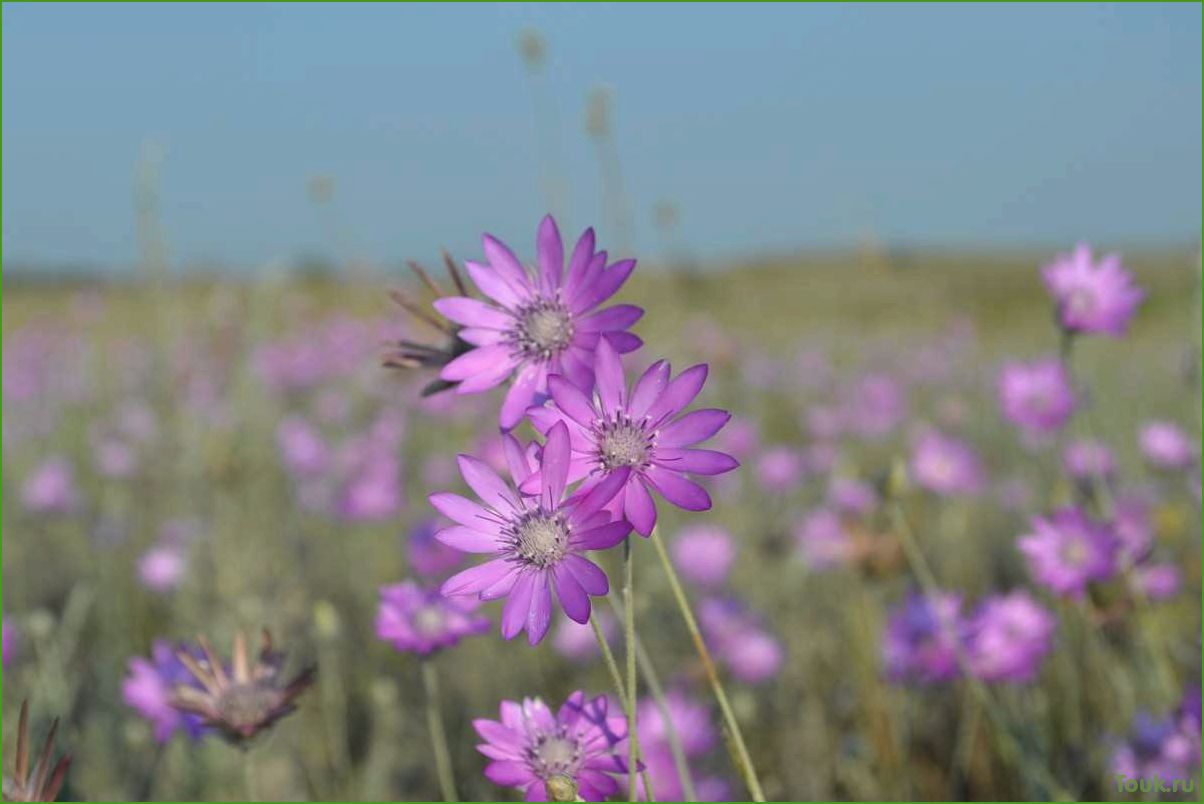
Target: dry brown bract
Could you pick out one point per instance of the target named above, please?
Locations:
(46, 782)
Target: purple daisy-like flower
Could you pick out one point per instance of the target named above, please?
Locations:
(537, 325)
(1165, 446)
(1037, 396)
(417, 620)
(1086, 459)
(536, 541)
(581, 747)
(946, 465)
(1067, 550)
(1092, 297)
(921, 639)
(149, 688)
(1008, 637)
(640, 432)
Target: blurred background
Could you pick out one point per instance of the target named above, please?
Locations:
(844, 209)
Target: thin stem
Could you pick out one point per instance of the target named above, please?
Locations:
(736, 746)
(672, 736)
(248, 775)
(616, 678)
(633, 740)
(434, 723)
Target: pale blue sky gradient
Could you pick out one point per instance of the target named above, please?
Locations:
(772, 127)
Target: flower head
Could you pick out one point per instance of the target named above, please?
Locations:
(822, 540)
(1165, 446)
(1167, 747)
(162, 567)
(149, 688)
(1008, 637)
(779, 470)
(921, 639)
(537, 325)
(44, 783)
(740, 640)
(704, 554)
(531, 748)
(1037, 396)
(1066, 551)
(1088, 460)
(946, 465)
(1092, 297)
(536, 542)
(51, 488)
(243, 699)
(422, 621)
(639, 433)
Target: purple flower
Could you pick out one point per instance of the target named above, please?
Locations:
(1091, 297)
(851, 496)
(417, 620)
(740, 641)
(823, 541)
(1088, 460)
(373, 491)
(1066, 551)
(875, 406)
(704, 554)
(947, 466)
(779, 469)
(640, 434)
(1157, 581)
(537, 542)
(576, 641)
(50, 488)
(149, 686)
(1133, 529)
(538, 325)
(10, 642)
(1037, 396)
(921, 638)
(1008, 637)
(428, 556)
(1165, 446)
(302, 447)
(162, 567)
(581, 743)
(693, 724)
(1168, 748)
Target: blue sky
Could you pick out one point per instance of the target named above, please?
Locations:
(771, 127)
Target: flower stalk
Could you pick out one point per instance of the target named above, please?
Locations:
(438, 735)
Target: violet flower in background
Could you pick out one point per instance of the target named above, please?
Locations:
(535, 326)
(149, 687)
(1157, 581)
(921, 639)
(576, 641)
(536, 543)
(1166, 446)
(822, 540)
(1008, 638)
(640, 432)
(1168, 748)
(373, 491)
(1133, 528)
(875, 406)
(1088, 460)
(1067, 550)
(531, 746)
(946, 466)
(1037, 397)
(162, 567)
(1092, 298)
(779, 470)
(693, 724)
(429, 557)
(50, 488)
(703, 554)
(740, 641)
(852, 496)
(303, 450)
(417, 620)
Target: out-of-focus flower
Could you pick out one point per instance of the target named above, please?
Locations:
(541, 325)
(694, 727)
(875, 406)
(641, 433)
(162, 567)
(243, 699)
(823, 541)
(576, 641)
(536, 542)
(1092, 297)
(704, 554)
(852, 496)
(1157, 581)
(373, 492)
(740, 641)
(1166, 446)
(1067, 550)
(45, 780)
(779, 470)
(580, 748)
(739, 438)
(10, 642)
(428, 556)
(947, 466)
(149, 688)
(1088, 460)
(1037, 397)
(114, 457)
(302, 448)
(1008, 638)
(824, 423)
(1167, 748)
(1133, 528)
(921, 639)
(422, 621)
(50, 488)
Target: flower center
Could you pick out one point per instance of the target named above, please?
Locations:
(1081, 301)
(554, 754)
(429, 620)
(1074, 553)
(622, 442)
(540, 539)
(544, 328)
(245, 708)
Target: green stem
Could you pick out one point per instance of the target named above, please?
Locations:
(633, 740)
(434, 722)
(616, 678)
(248, 775)
(736, 746)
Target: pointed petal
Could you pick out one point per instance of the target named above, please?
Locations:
(474, 579)
(464, 511)
(591, 577)
(514, 613)
(492, 490)
(483, 359)
(678, 490)
(648, 388)
(679, 393)
(696, 461)
(608, 371)
(620, 316)
(520, 396)
(540, 615)
(569, 398)
(473, 313)
(583, 253)
(467, 540)
(695, 426)
(639, 508)
(493, 285)
(573, 598)
(605, 286)
(551, 255)
(599, 495)
(603, 537)
(554, 467)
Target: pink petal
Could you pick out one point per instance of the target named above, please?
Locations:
(540, 615)
(514, 613)
(679, 393)
(508, 773)
(639, 508)
(488, 378)
(573, 598)
(599, 495)
(554, 467)
(493, 285)
(620, 316)
(502, 586)
(603, 537)
(583, 252)
(473, 313)
(520, 396)
(696, 461)
(648, 388)
(551, 255)
(480, 336)
(467, 540)
(608, 371)
(678, 490)
(591, 577)
(483, 359)
(492, 490)
(695, 426)
(472, 580)
(464, 511)
(606, 285)
(569, 398)
(516, 459)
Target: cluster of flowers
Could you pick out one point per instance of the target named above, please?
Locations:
(1163, 748)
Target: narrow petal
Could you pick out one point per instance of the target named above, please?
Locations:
(502, 586)
(639, 508)
(489, 378)
(583, 252)
(600, 495)
(620, 316)
(605, 286)
(624, 342)
(508, 773)
(603, 537)
(696, 461)
(492, 490)
(680, 491)
(537, 791)
(464, 511)
(578, 365)
(573, 598)
(648, 388)
(569, 398)
(479, 360)
(520, 396)
(695, 426)
(554, 467)
(551, 255)
(514, 613)
(474, 313)
(608, 372)
(499, 735)
(480, 336)
(467, 540)
(472, 580)
(493, 285)
(540, 615)
(516, 459)
(591, 577)
(679, 393)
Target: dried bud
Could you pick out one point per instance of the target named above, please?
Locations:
(561, 787)
(46, 780)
